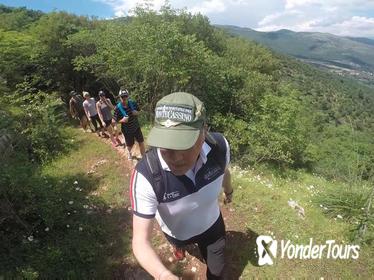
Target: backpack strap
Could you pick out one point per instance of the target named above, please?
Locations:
(155, 170)
(131, 105)
(217, 142)
(121, 109)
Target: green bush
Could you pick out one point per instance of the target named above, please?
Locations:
(39, 122)
(354, 204)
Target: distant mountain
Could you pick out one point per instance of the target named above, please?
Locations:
(346, 56)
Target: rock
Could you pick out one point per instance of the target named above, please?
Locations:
(300, 210)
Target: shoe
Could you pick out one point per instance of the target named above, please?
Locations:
(118, 141)
(179, 253)
(117, 144)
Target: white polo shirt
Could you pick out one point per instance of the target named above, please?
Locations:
(189, 205)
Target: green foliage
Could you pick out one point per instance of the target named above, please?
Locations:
(16, 55)
(236, 132)
(343, 153)
(17, 19)
(39, 122)
(292, 114)
(48, 227)
(352, 203)
(278, 133)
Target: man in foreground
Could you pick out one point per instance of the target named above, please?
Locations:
(178, 182)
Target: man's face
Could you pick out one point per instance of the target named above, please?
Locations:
(124, 98)
(180, 162)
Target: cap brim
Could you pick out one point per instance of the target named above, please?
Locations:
(173, 139)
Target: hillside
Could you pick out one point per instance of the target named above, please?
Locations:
(343, 55)
(301, 143)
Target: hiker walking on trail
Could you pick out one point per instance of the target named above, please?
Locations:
(178, 182)
(104, 108)
(126, 112)
(89, 106)
(77, 110)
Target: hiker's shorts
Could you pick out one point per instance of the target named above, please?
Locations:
(211, 244)
(130, 137)
(108, 122)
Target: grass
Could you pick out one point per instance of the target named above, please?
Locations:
(81, 228)
(90, 237)
(261, 205)
(107, 182)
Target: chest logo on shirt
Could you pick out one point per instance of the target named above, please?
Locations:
(171, 195)
(212, 172)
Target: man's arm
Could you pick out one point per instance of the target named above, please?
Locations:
(118, 116)
(98, 109)
(86, 111)
(136, 110)
(143, 251)
(71, 107)
(227, 187)
(109, 103)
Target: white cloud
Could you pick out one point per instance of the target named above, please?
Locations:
(208, 7)
(355, 26)
(341, 17)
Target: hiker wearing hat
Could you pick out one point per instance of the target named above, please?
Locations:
(104, 108)
(89, 106)
(178, 182)
(126, 112)
(76, 109)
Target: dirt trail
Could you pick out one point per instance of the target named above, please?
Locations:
(193, 267)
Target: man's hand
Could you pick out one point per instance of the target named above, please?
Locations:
(228, 197)
(124, 120)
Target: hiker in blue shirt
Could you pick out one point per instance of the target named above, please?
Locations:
(126, 112)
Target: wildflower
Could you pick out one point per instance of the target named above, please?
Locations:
(67, 226)
(339, 216)
(46, 229)
(75, 183)
(30, 238)
(71, 202)
(80, 228)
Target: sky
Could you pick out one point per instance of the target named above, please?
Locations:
(341, 17)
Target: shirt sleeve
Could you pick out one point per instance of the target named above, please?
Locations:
(116, 114)
(227, 152)
(143, 198)
(136, 106)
